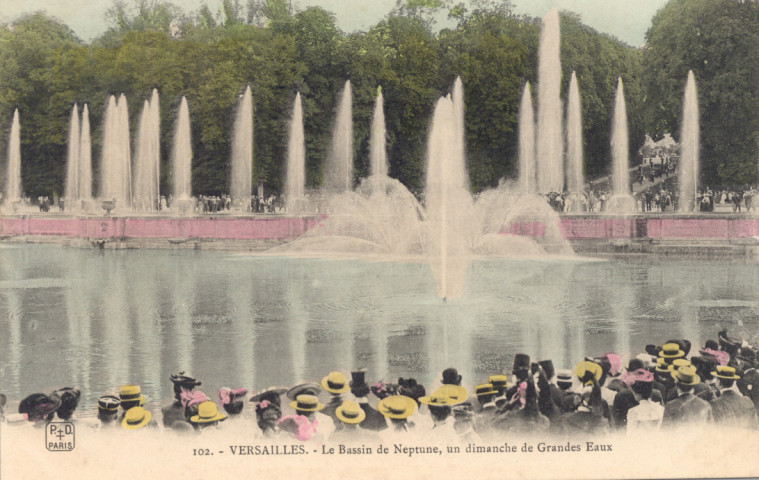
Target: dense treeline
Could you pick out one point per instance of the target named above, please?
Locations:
(45, 68)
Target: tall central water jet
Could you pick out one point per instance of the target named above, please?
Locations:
(339, 172)
(448, 202)
(13, 187)
(296, 160)
(689, 137)
(181, 157)
(147, 159)
(621, 201)
(242, 151)
(378, 139)
(550, 171)
(527, 142)
(71, 190)
(575, 180)
(85, 160)
(115, 170)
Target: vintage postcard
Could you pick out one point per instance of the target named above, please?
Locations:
(352, 238)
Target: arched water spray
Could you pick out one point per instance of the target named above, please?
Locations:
(550, 171)
(447, 199)
(73, 157)
(575, 180)
(621, 200)
(339, 171)
(181, 158)
(13, 186)
(527, 142)
(378, 139)
(85, 159)
(242, 150)
(296, 160)
(689, 137)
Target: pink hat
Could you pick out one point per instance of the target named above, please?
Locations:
(227, 395)
(615, 362)
(191, 398)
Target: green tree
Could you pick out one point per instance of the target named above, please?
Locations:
(719, 41)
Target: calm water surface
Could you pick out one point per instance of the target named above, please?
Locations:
(102, 318)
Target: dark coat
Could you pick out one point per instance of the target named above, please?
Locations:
(374, 420)
(584, 423)
(687, 408)
(732, 408)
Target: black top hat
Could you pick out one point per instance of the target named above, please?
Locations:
(451, 377)
(548, 368)
(521, 361)
(358, 378)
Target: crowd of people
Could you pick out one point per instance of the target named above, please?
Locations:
(667, 386)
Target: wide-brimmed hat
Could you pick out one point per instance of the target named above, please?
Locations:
(671, 351)
(186, 381)
(307, 388)
(208, 412)
(678, 363)
(451, 377)
(499, 381)
(306, 403)
(725, 372)
(350, 412)
(131, 393)
(271, 394)
(445, 396)
(686, 375)
(109, 404)
(335, 382)
(585, 367)
(564, 378)
(485, 389)
(39, 406)
(135, 417)
(396, 406)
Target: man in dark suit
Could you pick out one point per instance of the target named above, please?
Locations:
(687, 408)
(731, 408)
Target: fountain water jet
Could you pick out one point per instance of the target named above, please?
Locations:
(115, 170)
(378, 139)
(13, 188)
(73, 158)
(689, 137)
(296, 161)
(549, 157)
(146, 162)
(621, 201)
(575, 181)
(339, 170)
(85, 160)
(527, 142)
(242, 151)
(181, 158)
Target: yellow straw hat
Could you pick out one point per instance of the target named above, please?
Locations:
(728, 373)
(335, 382)
(686, 375)
(586, 366)
(671, 350)
(131, 393)
(350, 412)
(306, 403)
(135, 417)
(485, 389)
(498, 381)
(207, 412)
(396, 406)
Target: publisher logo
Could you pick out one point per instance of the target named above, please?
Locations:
(59, 436)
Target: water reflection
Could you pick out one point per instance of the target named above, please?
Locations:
(99, 319)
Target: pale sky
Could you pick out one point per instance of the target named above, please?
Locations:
(628, 20)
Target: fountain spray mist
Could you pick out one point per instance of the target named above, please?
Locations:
(527, 142)
(145, 179)
(85, 159)
(550, 171)
(689, 138)
(241, 182)
(73, 157)
(620, 144)
(378, 139)
(181, 158)
(575, 180)
(13, 186)
(296, 160)
(339, 171)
